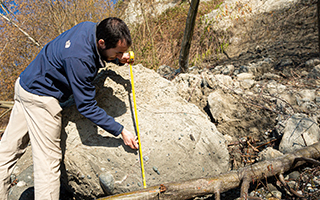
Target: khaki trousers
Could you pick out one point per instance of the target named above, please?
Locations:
(36, 119)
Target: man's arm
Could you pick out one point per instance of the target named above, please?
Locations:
(84, 92)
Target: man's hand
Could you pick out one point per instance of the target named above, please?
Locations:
(125, 58)
(129, 139)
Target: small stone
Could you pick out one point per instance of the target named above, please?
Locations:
(310, 189)
(156, 170)
(107, 183)
(21, 184)
(13, 177)
(277, 194)
(145, 158)
(292, 184)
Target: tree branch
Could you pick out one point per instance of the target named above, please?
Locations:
(20, 29)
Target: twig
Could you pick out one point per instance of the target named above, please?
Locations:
(288, 187)
(266, 143)
(255, 149)
(7, 111)
(4, 47)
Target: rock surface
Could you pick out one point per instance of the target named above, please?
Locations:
(300, 131)
(177, 138)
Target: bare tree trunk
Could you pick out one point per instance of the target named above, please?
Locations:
(187, 38)
(224, 182)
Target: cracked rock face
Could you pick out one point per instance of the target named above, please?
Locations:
(300, 131)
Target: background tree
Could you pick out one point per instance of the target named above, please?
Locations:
(188, 33)
(26, 26)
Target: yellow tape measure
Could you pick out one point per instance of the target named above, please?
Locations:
(131, 56)
(131, 60)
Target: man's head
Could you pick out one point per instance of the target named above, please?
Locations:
(113, 38)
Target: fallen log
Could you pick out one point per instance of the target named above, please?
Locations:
(224, 182)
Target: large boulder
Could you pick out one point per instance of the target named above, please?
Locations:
(178, 141)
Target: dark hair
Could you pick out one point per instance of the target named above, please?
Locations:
(111, 30)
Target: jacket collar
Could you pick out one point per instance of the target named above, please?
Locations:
(102, 63)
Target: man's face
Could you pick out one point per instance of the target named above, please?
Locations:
(113, 53)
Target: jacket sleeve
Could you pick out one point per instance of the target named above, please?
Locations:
(80, 75)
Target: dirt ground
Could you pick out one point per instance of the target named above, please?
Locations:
(290, 34)
(278, 35)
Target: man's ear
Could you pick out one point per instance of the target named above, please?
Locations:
(101, 44)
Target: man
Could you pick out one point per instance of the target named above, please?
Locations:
(66, 65)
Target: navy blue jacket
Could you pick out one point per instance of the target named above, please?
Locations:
(67, 65)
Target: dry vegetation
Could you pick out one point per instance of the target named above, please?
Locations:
(42, 21)
(157, 40)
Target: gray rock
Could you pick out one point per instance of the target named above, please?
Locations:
(168, 72)
(223, 106)
(313, 62)
(315, 73)
(227, 70)
(269, 153)
(188, 85)
(247, 83)
(107, 183)
(284, 63)
(270, 76)
(243, 76)
(295, 175)
(299, 131)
